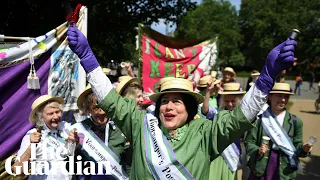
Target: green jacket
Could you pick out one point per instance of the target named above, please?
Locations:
(202, 142)
(258, 164)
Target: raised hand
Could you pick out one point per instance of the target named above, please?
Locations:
(280, 58)
(210, 86)
(78, 43)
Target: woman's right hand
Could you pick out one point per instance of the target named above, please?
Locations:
(35, 137)
(263, 149)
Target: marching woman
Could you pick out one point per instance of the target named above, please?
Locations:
(226, 165)
(228, 75)
(277, 158)
(171, 144)
(105, 133)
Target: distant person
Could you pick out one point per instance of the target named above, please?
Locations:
(311, 81)
(298, 84)
(229, 75)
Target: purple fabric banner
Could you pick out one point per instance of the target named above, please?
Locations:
(16, 100)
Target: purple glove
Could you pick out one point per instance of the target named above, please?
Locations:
(280, 58)
(78, 43)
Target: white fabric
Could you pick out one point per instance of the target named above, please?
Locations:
(277, 134)
(280, 119)
(39, 155)
(252, 102)
(100, 83)
(231, 155)
(90, 144)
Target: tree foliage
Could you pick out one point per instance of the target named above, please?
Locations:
(111, 24)
(211, 19)
(256, 29)
(267, 23)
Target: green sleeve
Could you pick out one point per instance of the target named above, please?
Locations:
(226, 127)
(251, 142)
(298, 139)
(124, 113)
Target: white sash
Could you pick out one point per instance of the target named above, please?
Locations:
(231, 155)
(97, 150)
(279, 136)
(56, 142)
(160, 157)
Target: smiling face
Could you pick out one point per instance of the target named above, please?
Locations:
(227, 76)
(173, 113)
(51, 115)
(278, 102)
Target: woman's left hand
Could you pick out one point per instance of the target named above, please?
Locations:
(73, 136)
(307, 148)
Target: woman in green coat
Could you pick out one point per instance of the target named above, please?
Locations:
(172, 144)
(225, 166)
(277, 158)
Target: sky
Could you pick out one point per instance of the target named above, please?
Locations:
(161, 27)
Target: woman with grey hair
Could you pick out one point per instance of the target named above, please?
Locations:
(50, 133)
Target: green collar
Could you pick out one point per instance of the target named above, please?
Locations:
(179, 133)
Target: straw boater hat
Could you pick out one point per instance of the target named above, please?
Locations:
(39, 102)
(232, 88)
(124, 81)
(281, 88)
(177, 85)
(162, 80)
(83, 96)
(205, 79)
(229, 69)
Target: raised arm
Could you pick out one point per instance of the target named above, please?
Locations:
(231, 125)
(206, 109)
(280, 58)
(123, 111)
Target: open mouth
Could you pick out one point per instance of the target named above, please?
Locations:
(169, 116)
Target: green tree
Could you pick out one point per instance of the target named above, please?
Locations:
(211, 19)
(265, 24)
(111, 24)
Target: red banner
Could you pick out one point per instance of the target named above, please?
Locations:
(164, 56)
(160, 61)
